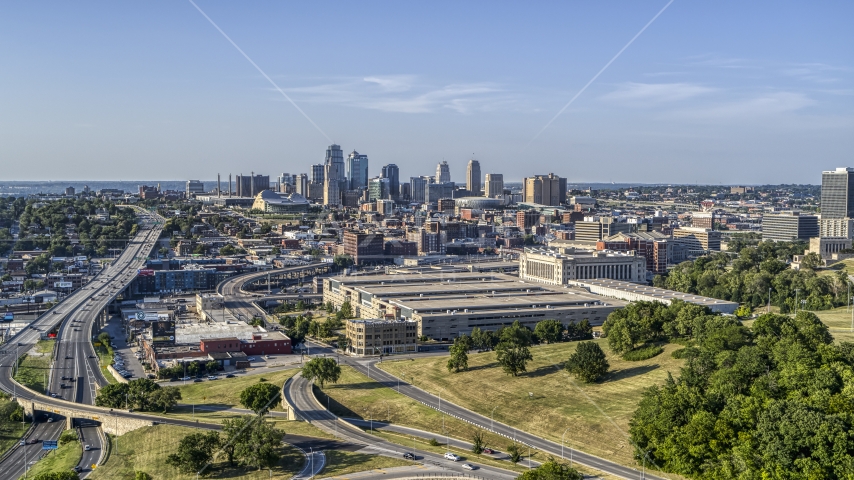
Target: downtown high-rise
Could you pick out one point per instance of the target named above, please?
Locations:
(357, 171)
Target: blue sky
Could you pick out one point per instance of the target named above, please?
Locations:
(712, 92)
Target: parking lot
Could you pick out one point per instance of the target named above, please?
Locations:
(123, 352)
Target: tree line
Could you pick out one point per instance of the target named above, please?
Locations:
(759, 274)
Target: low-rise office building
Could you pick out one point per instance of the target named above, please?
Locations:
(698, 241)
(789, 226)
(381, 337)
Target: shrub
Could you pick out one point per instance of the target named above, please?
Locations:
(686, 352)
(643, 352)
(434, 442)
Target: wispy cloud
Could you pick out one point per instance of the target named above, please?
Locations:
(765, 105)
(406, 94)
(653, 93)
(813, 72)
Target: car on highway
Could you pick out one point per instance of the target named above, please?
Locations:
(488, 450)
(409, 456)
(452, 456)
(468, 466)
(22, 443)
(33, 441)
(49, 419)
(87, 447)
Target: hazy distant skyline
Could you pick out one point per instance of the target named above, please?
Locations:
(712, 92)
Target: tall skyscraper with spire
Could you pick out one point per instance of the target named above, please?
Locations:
(473, 177)
(443, 172)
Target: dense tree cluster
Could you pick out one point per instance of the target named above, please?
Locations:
(775, 400)
(43, 227)
(140, 394)
(641, 322)
(323, 370)
(756, 272)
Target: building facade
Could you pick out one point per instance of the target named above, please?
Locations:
(364, 247)
(473, 178)
(544, 190)
(357, 171)
(443, 172)
(392, 173)
(837, 193)
(381, 337)
(494, 185)
(789, 226)
(556, 268)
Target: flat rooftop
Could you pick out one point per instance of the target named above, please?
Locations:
(654, 293)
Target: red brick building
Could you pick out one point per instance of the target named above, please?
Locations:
(261, 344)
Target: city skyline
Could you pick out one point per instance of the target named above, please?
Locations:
(125, 91)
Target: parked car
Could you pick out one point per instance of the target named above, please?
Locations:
(186, 378)
(197, 380)
(212, 377)
(230, 375)
(452, 456)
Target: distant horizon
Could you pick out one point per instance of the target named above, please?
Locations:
(703, 92)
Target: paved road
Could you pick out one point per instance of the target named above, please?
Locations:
(76, 316)
(20, 457)
(299, 394)
(241, 303)
(552, 448)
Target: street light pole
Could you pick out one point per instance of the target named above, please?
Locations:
(561, 447)
(492, 418)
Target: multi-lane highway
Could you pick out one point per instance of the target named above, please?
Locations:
(75, 357)
(299, 394)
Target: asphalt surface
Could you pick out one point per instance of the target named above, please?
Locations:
(299, 394)
(13, 465)
(75, 358)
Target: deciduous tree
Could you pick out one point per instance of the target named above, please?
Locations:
(588, 363)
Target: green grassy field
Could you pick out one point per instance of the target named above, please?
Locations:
(10, 432)
(226, 391)
(146, 450)
(342, 463)
(35, 366)
(59, 460)
(356, 393)
(839, 323)
(105, 358)
(547, 401)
